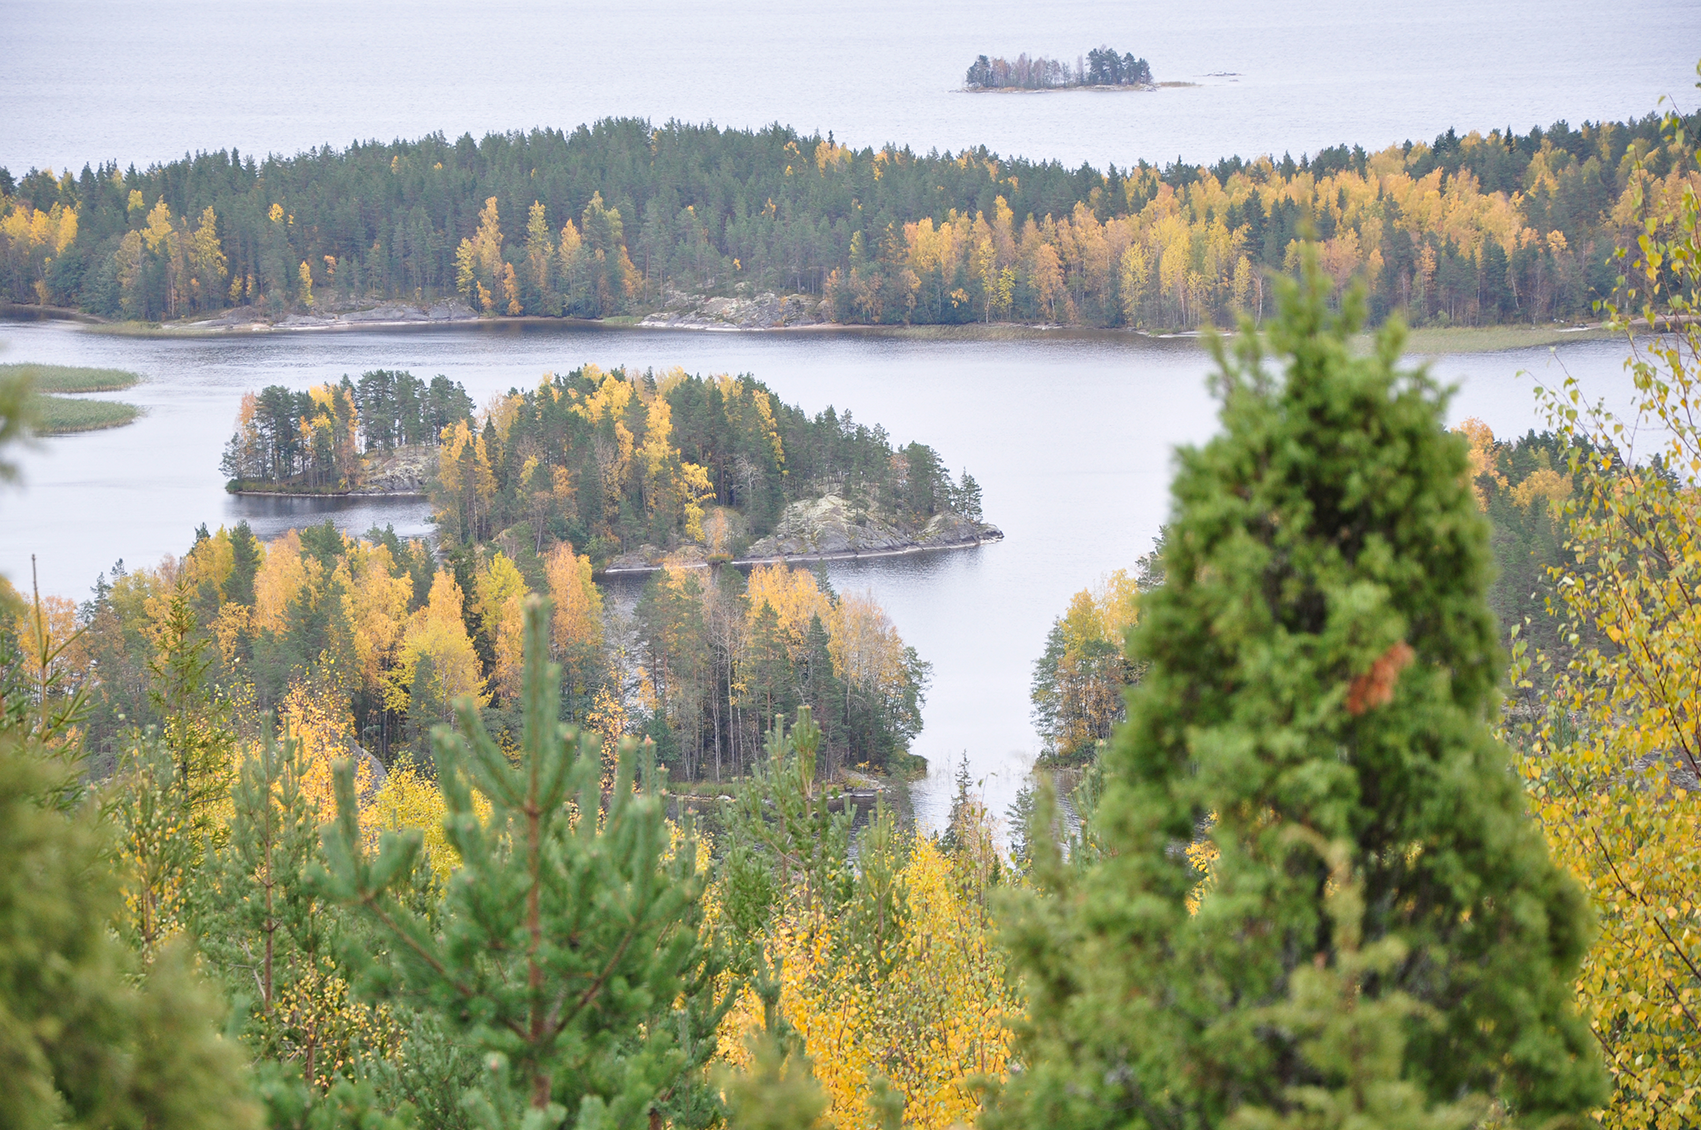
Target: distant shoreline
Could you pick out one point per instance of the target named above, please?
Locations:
(1423, 340)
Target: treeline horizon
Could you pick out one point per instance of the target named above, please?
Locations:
(621, 217)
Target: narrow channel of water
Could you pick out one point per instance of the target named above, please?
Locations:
(1070, 436)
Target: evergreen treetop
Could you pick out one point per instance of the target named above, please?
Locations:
(569, 949)
(1316, 715)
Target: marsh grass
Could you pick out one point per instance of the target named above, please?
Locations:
(70, 378)
(62, 415)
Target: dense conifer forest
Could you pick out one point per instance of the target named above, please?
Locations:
(619, 217)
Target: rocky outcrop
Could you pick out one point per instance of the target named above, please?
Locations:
(766, 311)
(829, 528)
(406, 470)
(252, 319)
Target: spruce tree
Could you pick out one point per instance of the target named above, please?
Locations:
(1381, 937)
(569, 947)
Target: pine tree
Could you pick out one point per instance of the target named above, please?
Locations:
(569, 949)
(1316, 713)
(272, 940)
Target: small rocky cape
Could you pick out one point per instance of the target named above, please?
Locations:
(829, 528)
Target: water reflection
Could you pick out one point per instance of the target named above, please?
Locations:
(270, 516)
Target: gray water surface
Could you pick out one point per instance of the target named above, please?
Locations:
(92, 80)
(1071, 438)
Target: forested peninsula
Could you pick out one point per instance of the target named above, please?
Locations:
(634, 469)
(696, 225)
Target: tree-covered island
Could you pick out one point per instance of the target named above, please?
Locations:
(1100, 67)
(631, 468)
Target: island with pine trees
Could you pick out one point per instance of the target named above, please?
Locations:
(1100, 68)
(633, 469)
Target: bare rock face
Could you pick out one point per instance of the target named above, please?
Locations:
(405, 470)
(648, 558)
(766, 311)
(830, 526)
(823, 529)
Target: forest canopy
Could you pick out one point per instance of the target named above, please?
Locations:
(613, 218)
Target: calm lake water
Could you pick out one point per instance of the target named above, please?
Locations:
(88, 80)
(1071, 437)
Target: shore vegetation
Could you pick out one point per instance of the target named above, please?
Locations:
(52, 413)
(64, 415)
(70, 378)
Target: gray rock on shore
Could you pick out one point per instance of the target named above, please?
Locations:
(766, 311)
(826, 529)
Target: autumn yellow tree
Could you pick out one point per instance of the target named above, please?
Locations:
(480, 273)
(501, 593)
(886, 976)
(468, 482)
(576, 627)
(1080, 679)
(1614, 769)
(436, 663)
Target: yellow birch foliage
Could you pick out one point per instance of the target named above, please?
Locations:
(930, 1028)
(576, 627)
(1079, 694)
(1613, 769)
(30, 240)
(377, 606)
(501, 592)
(282, 575)
(795, 598)
(321, 724)
(865, 647)
(410, 799)
(1481, 439)
(436, 635)
(463, 470)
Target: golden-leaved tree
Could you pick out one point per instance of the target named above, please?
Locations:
(1080, 679)
(885, 976)
(1615, 766)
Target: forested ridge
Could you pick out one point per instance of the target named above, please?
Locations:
(616, 218)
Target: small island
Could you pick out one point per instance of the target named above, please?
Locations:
(55, 413)
(631, 469)
(1100, 68)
